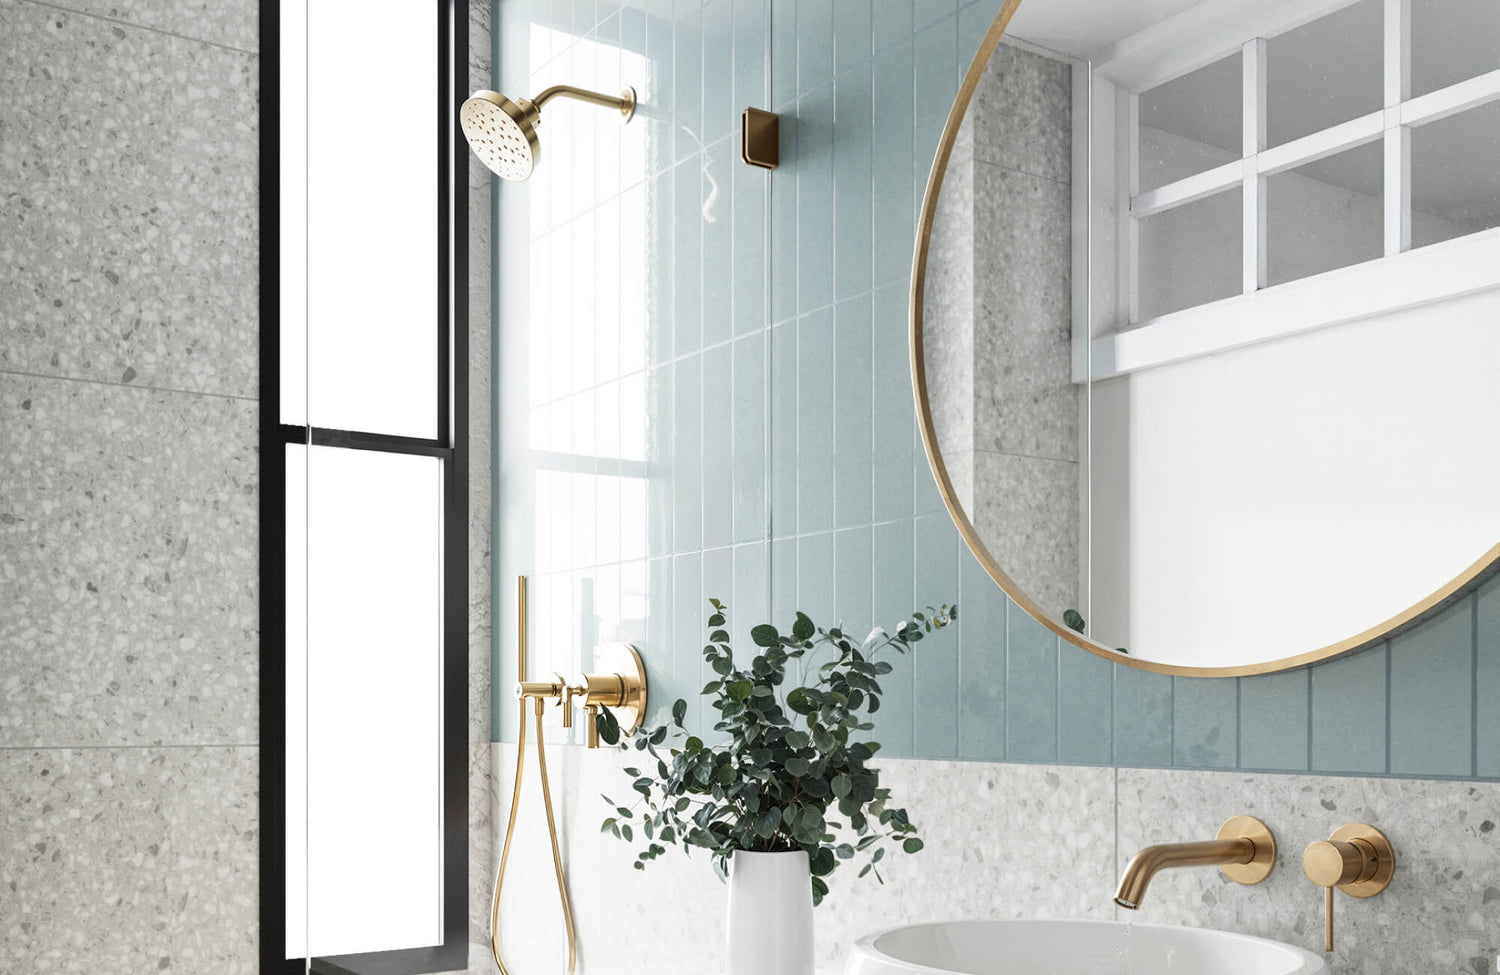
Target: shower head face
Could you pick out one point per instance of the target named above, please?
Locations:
(502, 133)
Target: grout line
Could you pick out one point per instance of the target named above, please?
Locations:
(1474, 686)
(144, 27)
(142, 386)
(1388, 728)
(1309, 719)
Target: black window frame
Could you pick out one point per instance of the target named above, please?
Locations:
(450, 446)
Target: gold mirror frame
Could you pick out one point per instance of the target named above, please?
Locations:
(1432, 603)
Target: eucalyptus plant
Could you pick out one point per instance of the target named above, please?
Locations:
(791, 753)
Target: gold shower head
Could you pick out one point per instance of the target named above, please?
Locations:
(502, 132)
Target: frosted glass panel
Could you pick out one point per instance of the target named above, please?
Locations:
(1190, 255)
(372, 204)
(1325, 72)
(374, 696)
(1452, 41)
(1455, 181)
(1326, 215)
(296, 701)
(1191, 124)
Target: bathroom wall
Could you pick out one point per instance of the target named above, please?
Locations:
(703, 390)
(128, 486)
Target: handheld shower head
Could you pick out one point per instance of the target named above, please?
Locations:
(502, 132)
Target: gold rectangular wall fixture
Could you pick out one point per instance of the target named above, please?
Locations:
(760, 138)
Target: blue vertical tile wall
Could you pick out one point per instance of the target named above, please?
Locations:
(783, 466)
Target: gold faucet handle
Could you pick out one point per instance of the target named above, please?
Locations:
(1357, 859)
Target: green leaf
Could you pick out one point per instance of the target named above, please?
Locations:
(716, 619)
(912, 845)
(842, 785)
(1073, 620)
(804, 628)
(718, 636)
(679, 711)
(740, 689)
(658, 736)
(693, 745)
(723, 665)
(608, 726)
(765, 635)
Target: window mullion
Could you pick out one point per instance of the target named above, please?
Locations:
(1397, 136)
(1253, 91)
(1127, 184)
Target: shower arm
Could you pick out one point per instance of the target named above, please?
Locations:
(624, 102)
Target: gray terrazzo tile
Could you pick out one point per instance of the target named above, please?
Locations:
(1023, 110)
(129, 860)
(128, 610)
(1437, 915)
(128, 222)
(234, 24)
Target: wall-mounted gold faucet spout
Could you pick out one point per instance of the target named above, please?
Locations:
(1245, 851)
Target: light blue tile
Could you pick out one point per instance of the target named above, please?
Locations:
(633, 30)
(784, 430)
(893, 215)
(981, 660)
(751, 85)
(890, 22)
(687, 635)
(891, 569)
(687, 454)
(1205, 725)
(853, 582)
(661, 236)
(687, 91)
(935, 83)
(935, 581)
(1432, 702)
(1030, 688)
(852, 34)
(783, 55)
(585, 16)
(750, 234)
(687, 267)
(853, 137)
(1274, 721)
(719, 115)
(660, 452)
(815, 421)
(783, 581)
(815, 578)
(718, 446)
(814, 44)
(925, 12)
(1085, 698)
(749, 483)
(891, 409)
(659, 94)
(814, 169)
(1487, 690)
(1349, 713)
(853, 439)
(718, 242)
(751, 599)
(973, 22)
(785, 264)
(1143, 718)
(658, 650)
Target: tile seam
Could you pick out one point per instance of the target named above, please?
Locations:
(117, 385)
(144, 27)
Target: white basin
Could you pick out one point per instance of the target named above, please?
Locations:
(1072, 948)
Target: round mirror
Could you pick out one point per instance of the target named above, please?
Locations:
(1206, 321)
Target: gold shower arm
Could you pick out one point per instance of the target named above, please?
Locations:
(624, 102)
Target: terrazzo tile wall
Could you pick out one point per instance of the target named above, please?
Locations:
(128, 486)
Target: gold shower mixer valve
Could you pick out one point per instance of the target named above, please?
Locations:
(1356, 859)
(619, 684)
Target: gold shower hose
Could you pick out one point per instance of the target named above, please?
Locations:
(538, 704)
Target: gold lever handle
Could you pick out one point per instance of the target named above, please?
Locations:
(1357, 859)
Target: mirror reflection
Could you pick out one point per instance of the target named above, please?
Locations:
(1210, 326)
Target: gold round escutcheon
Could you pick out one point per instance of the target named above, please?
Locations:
(1259, 867)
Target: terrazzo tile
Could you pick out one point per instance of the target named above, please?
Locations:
(128, 610)
(1026, 511)
(233, 25)
(129, 860)
(1435, 917)
(1023, 110)
(111, 278)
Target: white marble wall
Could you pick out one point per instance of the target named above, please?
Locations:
(1017, 841)
(128, 486)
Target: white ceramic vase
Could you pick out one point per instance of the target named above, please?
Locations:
(770, 914)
